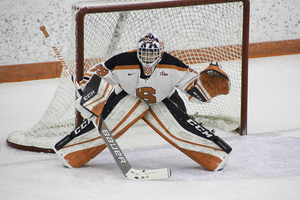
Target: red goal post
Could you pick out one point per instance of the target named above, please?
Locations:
(89, 9)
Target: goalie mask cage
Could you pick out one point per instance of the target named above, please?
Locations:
(195, 31)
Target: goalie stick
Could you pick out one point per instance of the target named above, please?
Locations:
(115, 150)
(124, 165)
(118, 155)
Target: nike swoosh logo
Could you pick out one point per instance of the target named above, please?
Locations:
(129, 74)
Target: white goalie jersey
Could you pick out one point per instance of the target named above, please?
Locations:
(123, 71)
(138, 96)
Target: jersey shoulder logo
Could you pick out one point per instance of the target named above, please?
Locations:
(162, 73)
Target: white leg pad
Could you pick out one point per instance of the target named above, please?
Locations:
(85, 147)
(127, 112)
(205, 152)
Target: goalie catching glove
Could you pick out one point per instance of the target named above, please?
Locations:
(211, 82)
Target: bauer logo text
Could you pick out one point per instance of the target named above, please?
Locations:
(114, 146)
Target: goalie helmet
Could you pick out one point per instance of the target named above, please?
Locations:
(149, 52)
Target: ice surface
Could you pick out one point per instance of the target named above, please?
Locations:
(264, 165)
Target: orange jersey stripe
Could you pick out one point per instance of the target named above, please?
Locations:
(163, 66)
(124, 67)
(160, 66)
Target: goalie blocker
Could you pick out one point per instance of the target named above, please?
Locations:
(166, 118)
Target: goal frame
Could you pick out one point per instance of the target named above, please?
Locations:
(79, 32)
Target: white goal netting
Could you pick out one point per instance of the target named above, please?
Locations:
(195, 34)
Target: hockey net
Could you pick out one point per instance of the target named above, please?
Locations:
(214, 30)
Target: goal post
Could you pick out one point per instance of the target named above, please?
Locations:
(195, 31)
(90, 8)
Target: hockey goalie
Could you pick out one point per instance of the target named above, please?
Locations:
(142, 85)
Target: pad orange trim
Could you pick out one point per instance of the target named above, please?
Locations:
(104, 93)
(82, 82)
(130, 124)
(79, 158)
(67, 146)
(127, 116)
(97, 109)
(209, 162)
(176, 138)
(97, 121)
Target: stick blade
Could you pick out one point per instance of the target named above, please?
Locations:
(154, 174)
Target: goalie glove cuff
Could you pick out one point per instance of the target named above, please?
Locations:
(211, 82)
(215, 80)
(214, 69)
